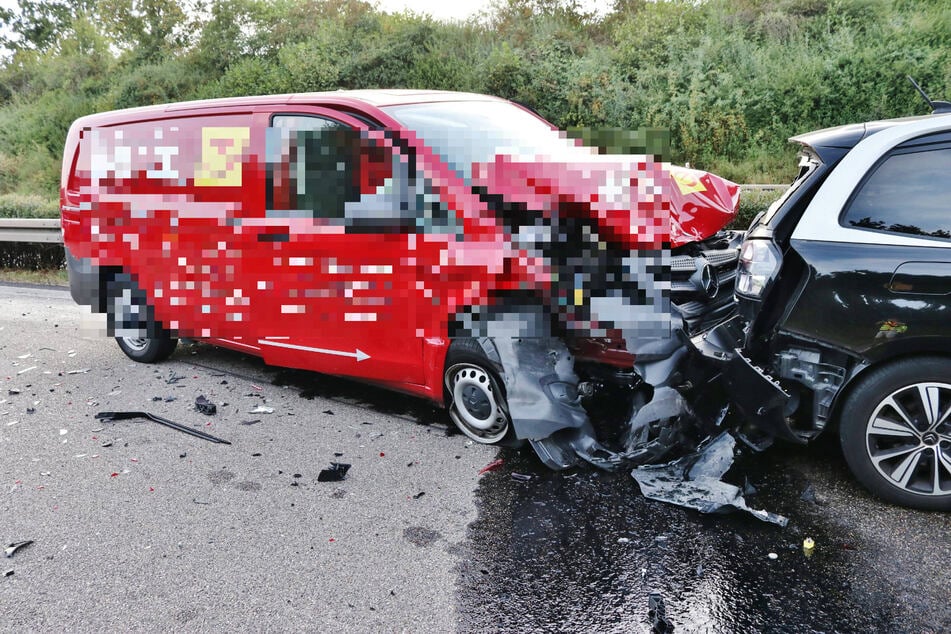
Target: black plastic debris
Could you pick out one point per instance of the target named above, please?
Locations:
(204, 406)
(335, 473)
(8, 573)
(15, 546)
(657, 613)
(694, 482)
(419, 495)
(809, 495)
(114, 416)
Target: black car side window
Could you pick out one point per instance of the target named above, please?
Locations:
(908, 193)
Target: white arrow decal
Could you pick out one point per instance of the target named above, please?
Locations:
(359, 355)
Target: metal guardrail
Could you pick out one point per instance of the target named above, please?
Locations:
(45, 230)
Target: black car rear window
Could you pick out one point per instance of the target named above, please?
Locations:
(908, 193)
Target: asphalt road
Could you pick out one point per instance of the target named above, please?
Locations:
(137, 526)
(140, 527)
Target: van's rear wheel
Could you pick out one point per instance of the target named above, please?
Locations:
(132, 322)
(475, 395)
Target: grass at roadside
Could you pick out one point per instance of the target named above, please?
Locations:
(56, 277)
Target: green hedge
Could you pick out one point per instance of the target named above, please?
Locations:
(28, 206)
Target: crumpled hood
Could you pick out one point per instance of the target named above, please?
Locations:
(639, 203)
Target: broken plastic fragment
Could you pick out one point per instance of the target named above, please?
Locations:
(205, 406)
(113, 416)
(522, 477)
(8, 573)
(492, 466)
(335, 473)
(262, 409)
(694, 481)
(15, 546)
(419, 495)
(657, 613)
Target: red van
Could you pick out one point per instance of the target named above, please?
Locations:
(453, 246)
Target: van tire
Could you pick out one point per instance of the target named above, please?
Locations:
(128, 310)
(890, 434)
(475, 394)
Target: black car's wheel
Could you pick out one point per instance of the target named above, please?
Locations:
(475, 396)
(895, 429)
(132, 322)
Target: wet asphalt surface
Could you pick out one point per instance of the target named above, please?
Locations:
(582, 550)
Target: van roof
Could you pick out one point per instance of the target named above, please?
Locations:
(355, 99)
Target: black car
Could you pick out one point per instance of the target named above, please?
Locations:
(844, 307)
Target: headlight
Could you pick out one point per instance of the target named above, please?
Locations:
(758, 265)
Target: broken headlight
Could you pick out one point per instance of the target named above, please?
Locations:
(758, 265)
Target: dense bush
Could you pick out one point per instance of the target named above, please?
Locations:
(730, 79)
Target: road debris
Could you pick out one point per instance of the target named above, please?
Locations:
(808, 547)
(262, 409)
(335, 473)
(81, 371)
(522, 477)
(114, 416)
(694, 481)
(419, 495)
(15, 546)
(204, 406)
(8, 573)
(495, 465)
(657, 613)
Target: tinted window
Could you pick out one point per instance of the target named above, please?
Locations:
(311, 167)
(908, 193)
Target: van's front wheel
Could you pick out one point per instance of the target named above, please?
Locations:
(475, 395)
(132, 322)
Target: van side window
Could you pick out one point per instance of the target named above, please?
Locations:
(908, 193)
(311, 167)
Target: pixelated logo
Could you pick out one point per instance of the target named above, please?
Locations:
(222, 149)
(687, 182)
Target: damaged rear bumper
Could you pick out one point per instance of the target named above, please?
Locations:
(759, 398)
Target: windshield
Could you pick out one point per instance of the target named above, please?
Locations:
(467, 132)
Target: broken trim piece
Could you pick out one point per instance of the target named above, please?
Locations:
(694, 482)
(114, 416)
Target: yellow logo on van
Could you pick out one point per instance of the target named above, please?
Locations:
(687, 182)
(222, 151)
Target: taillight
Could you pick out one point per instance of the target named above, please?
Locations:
(758, 265)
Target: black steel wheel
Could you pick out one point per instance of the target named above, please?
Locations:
(895, 429)
(132, 322)
(474, 394)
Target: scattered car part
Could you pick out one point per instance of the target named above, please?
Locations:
(657, 613)
(694, 481)
(114, 416)
(204, 406)
(336, 472)
(15, 546)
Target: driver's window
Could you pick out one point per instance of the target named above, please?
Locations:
(311, 167)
